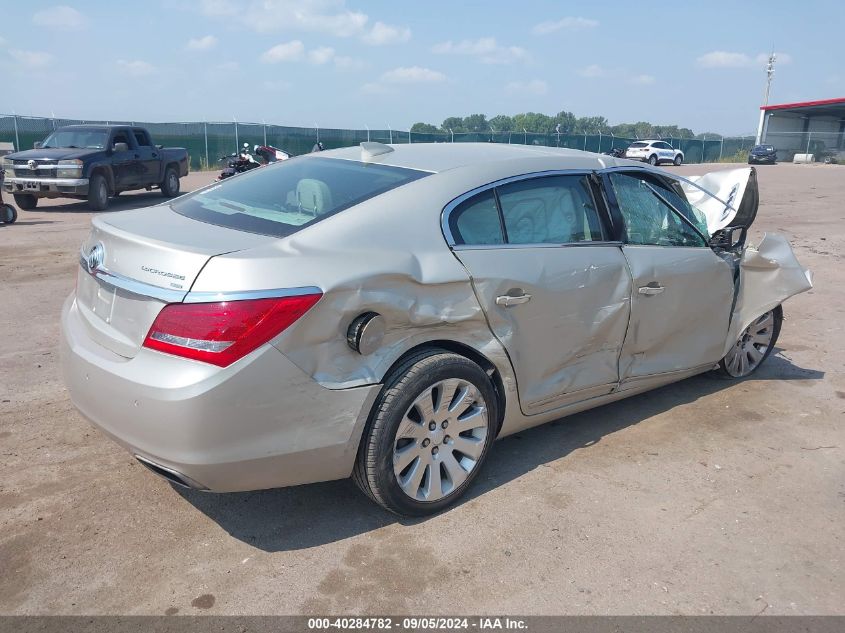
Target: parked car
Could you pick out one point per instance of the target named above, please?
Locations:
(385, 312)
(762, 154)
(654, 152)
(93, 162)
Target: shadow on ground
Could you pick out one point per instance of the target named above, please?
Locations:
(306, 516)
(123, 202)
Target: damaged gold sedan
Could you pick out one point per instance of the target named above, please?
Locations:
(386, 312)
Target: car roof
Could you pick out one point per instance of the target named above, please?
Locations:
(440, 157)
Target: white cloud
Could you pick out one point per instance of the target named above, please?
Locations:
(321, 55)
(348, 63)
(486, 49)
(726, 59)
(31, 59)
(642, 80)
(533, 87)
(592, 71)
(413, 75)
(136, 68)
(331, 17)
(382, 33)
(568, 23)
(287, 52)
(204, 43)
(62, 18)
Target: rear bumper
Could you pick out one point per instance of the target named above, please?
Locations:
(46, 186)
(259, 423)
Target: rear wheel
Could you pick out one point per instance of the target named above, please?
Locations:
(429, 433)
(98, 193)
(754, 345)
(652, 160)
(26, 201)
(678, 160)
(8, 214)
(170, 184)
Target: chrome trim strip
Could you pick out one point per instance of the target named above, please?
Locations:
(242, 295)
(485, 247)
(64, 182)
(447, 210)
(133, 286)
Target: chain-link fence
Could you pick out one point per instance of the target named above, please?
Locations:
(207, 142)
(820, 143)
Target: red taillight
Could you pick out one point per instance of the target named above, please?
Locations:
(221, 333)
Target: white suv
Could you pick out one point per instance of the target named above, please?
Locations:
(654, 152)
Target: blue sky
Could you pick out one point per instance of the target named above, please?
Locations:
(356, 63)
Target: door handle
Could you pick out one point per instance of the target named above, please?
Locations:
(507, 301)
(155, 155)
(651, 290)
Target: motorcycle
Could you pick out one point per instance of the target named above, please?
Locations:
(616, 152)
(8, 213)
(270, 154)
(238, 163)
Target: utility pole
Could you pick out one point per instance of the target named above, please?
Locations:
(770, 72)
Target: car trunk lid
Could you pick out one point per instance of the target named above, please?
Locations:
(134, 263)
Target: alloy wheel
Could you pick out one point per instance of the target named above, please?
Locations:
(751, 347)
(440, 440)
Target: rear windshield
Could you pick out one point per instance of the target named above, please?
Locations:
(282, 198)
(640, 144)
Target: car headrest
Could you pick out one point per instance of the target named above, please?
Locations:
(313, 196)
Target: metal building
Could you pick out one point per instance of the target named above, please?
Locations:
(809, 127)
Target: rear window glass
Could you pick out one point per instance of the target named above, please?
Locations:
(284, 197)
(640, 144)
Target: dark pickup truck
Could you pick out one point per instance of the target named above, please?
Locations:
(93, 162)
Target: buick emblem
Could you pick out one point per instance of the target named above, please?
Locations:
(32, 164)
(95, 256)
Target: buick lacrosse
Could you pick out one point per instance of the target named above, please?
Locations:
(386, 311)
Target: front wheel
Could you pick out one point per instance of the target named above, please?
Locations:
(8, 214)
(754, 346)
(652, 160)
(26, 201)
(428, 435)
(98, 193)
(170, 184)
(678, 160)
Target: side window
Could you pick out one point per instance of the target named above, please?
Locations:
(648, 218)
(550, 210)
(476, 221)
(121, 137)
(141, 138)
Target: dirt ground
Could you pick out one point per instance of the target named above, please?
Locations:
(702, 497)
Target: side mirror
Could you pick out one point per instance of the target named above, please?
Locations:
(159, 146)
(37, 145)
(121, 147)
(730, 238)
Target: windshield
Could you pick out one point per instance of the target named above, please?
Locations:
(282, 198)
(640, 144)
(765, 148)
(81, 138)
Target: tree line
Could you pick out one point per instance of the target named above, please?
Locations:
(562, 122)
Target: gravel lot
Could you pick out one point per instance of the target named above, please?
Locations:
(702, 497)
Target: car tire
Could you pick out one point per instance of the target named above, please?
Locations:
(170, 184)
(98, 193)
(652, 160)
(407, 460)
(753, 346)
(9, 214)
(25, 201)
(678, 160)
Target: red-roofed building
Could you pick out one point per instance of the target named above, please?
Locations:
(811, 127)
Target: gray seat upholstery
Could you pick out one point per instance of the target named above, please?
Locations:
(313, 196)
